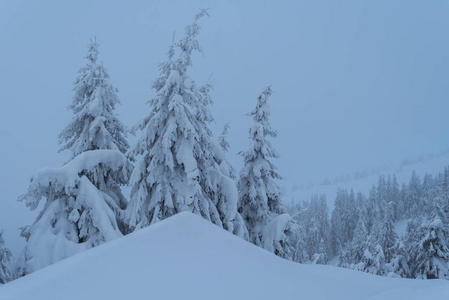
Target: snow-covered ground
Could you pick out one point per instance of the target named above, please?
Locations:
(186, 257)
(363, 181)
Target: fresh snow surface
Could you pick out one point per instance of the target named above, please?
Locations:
(186, 257)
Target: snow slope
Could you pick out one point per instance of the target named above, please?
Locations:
(363, 181)
(186, 257)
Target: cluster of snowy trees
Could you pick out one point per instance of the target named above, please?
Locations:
(176, 165)
(361, 231)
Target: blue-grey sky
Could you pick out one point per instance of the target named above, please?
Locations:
(358, 83)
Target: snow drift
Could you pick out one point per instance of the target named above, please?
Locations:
(186, 257)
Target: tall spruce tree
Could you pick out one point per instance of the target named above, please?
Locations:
(358, 245)
(317, 229)
(259, 196)
(342, 220)
(83, 198)
(413, 197)
(381, 242)
(179, 169)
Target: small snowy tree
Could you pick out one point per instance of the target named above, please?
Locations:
(259, 196)
(398, 265)
(433, 254)
(180, 165)
(374, 262)
(5, 260)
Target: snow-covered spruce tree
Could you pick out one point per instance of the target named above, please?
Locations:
(413, 202)
(374, 261)
(179, 168)
(343, 220)
(5, 260)
(320, 256)
(398, 206)
(298, 240)
(416, 231)
(383, 233)
(358, 245)
(259, 196)
(83, 197)
(398, 265)
(95, 125)
(317, 229)
(433, 254)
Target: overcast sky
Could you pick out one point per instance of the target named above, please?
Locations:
(359, 84)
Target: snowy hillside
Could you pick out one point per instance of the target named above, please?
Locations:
(362, 181)
(186, 257)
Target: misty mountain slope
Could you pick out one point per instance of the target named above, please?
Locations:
(186, 257)
(363, 181)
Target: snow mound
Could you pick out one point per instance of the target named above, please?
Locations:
(186, 257)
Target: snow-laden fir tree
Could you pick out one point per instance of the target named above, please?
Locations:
(298, 241)
(374, 261)
(5, 260)
(433, 254)
(83, 200)
(95, 125)
(413, 197)
(415, 232)
(179, 168)
(320, 257)
(398, 265)
(259, 196)
(343, 219)
(395, 198)
(317, 229)
(383, 233)
(358, 245)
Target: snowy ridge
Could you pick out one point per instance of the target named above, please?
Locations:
(431, 164)
(186, 257)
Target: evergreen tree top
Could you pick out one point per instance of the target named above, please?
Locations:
(92, 54)
(94, 124)
(222, 139)
(260, 146)
(188, 43)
